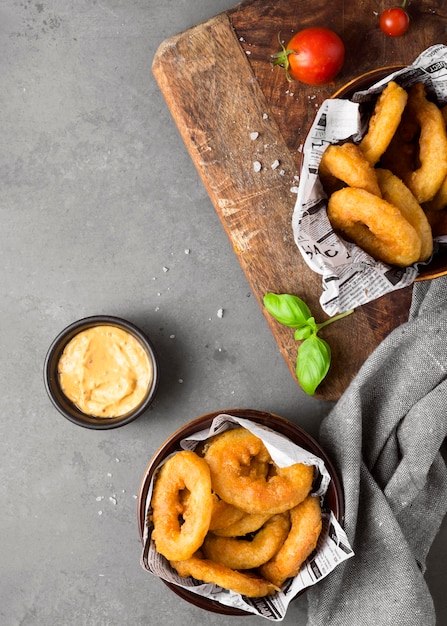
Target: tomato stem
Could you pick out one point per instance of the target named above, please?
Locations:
(282, 58)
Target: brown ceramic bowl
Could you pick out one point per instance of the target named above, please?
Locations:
(334, 496)
(51, 377)
(438, 265)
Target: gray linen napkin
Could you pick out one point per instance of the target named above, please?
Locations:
(385, 435)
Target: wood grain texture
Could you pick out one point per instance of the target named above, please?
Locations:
(220, 86)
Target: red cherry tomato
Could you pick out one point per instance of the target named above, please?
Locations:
(313, 56)
(394, 22)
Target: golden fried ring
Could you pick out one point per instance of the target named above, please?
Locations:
(245, 583)
(300, 542)
(384, 122)
(234, 456)
(250, 523)
(348, 164)
(439, 202)
(375, 225)
(425, 181)
(239, 553)
(396, 192)
(224, 515)
(183, 471)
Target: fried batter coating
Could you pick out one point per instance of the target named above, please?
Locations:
(300, 543)
(348, 164)
(384, 122)
(250, 523)
(375, 225)
(182, 490)
(245, 583)
(240, 553)
(425, 181)
(396, 192)
(224, 515)
(439, 202)
(235, 458)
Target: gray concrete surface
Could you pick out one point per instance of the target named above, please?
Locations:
(99, 201)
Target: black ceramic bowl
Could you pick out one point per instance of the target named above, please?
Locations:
(438, 265)
(51, 377)
(333, 499)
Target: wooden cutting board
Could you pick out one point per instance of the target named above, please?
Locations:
(220, 86)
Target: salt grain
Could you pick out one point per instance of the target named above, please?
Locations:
(220, 313)
(257, 166)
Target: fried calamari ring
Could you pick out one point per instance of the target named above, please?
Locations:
(396, 192)
(439, 202)
(182, 489)
(375, 225)
(234, 458)
(250, 523)
(245, 583)
(425, 181)
(384, 122)
(348, 164)
(224, 515)
(300, 543)
(239, 553)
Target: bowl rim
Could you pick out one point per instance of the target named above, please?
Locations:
(272, 420)
(63, 404)
(376, 74)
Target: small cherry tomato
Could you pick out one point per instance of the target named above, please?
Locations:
(394, 22)
(313, 56)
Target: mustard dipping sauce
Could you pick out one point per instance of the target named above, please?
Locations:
(105, 371)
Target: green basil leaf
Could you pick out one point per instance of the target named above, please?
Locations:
(287, 309)
(312, 324)
(302, 333)
(312, 363)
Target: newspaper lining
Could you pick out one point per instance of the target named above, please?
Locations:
(333, 546)
(350, 276)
